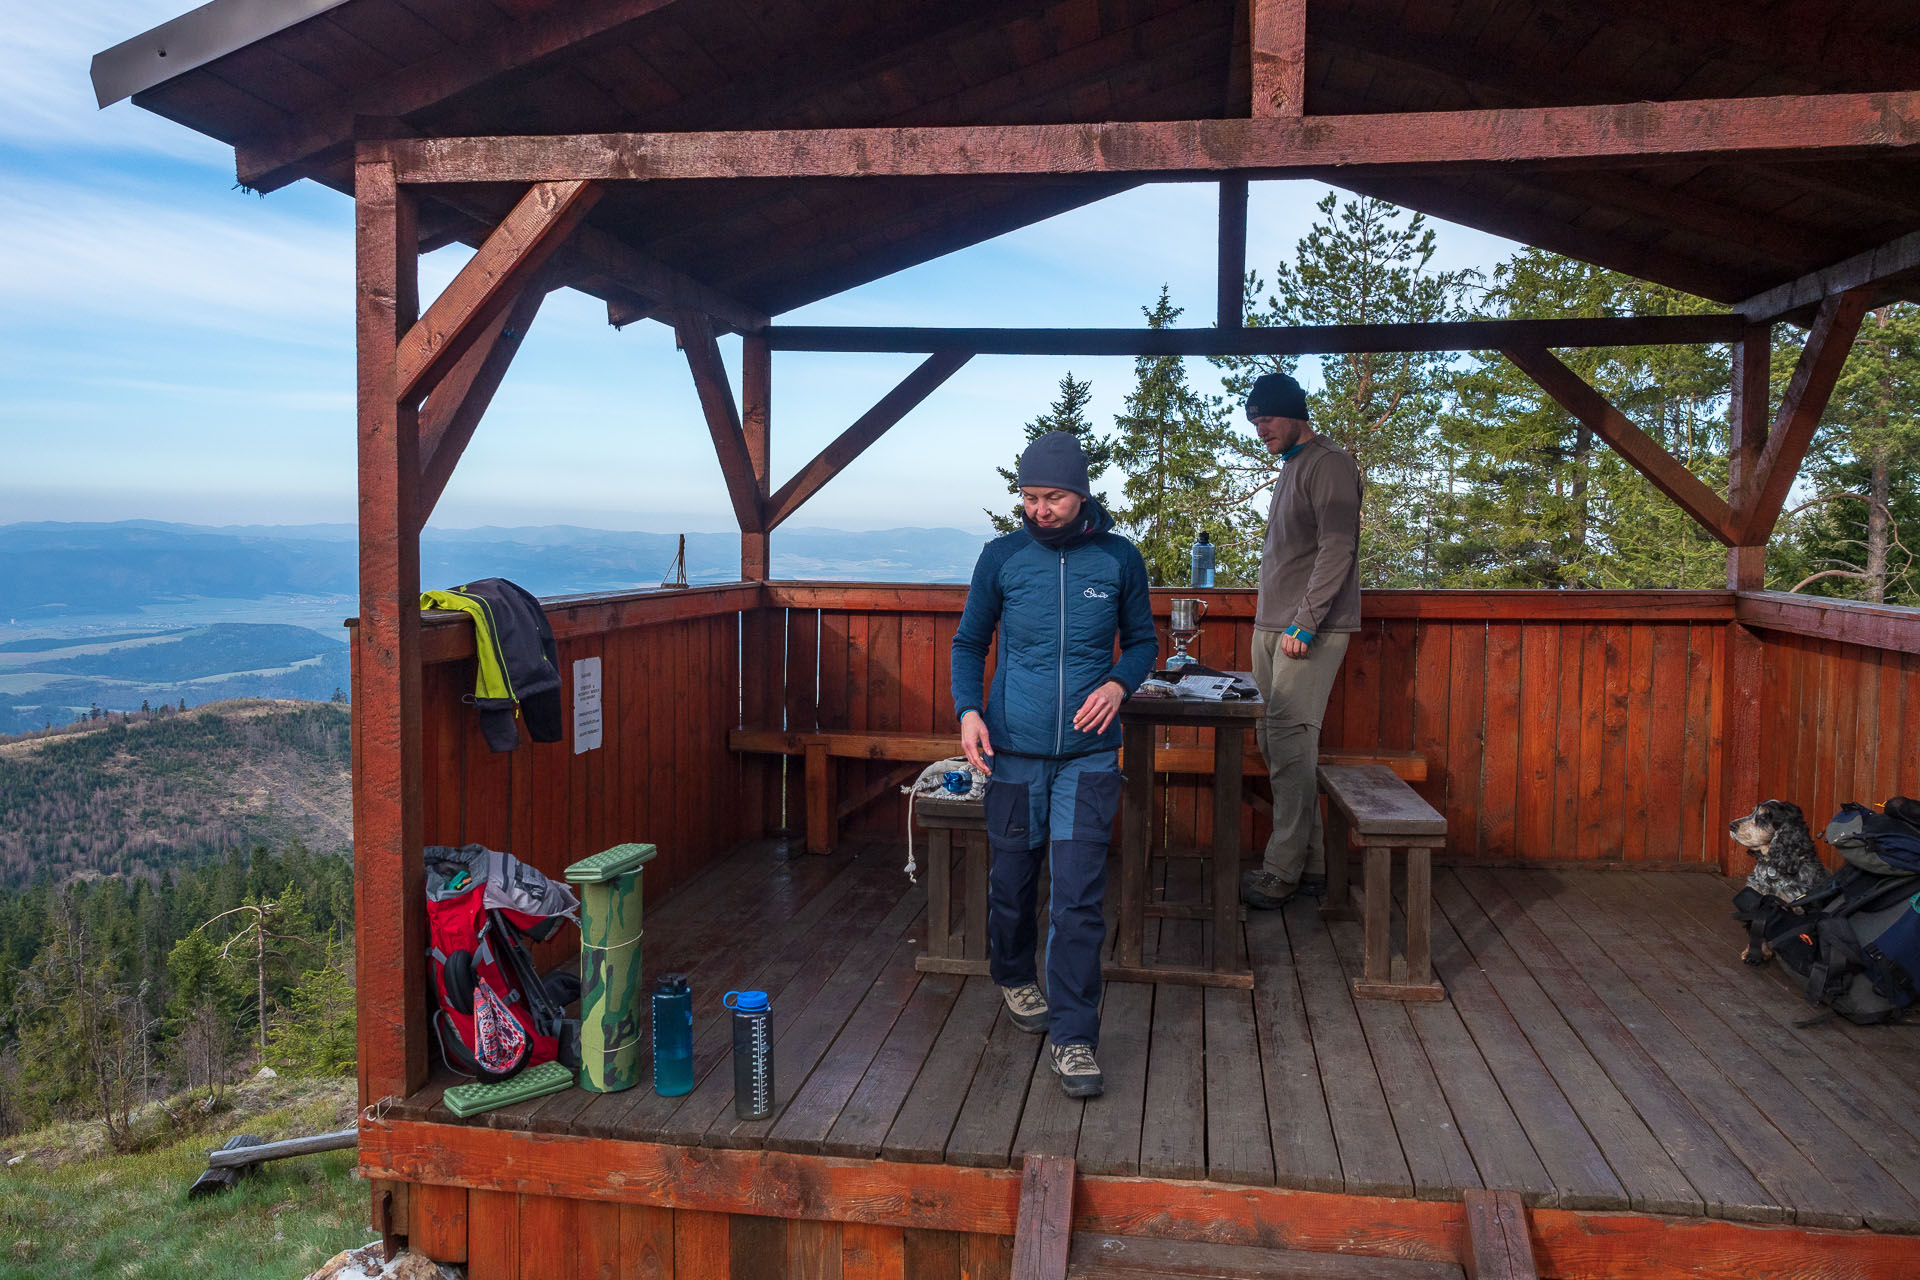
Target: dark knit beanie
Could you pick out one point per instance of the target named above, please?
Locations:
(1275, 395)
(1055, 461)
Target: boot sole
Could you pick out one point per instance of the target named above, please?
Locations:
(1031, 1023)
(1080, 1086)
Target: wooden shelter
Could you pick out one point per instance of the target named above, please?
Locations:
(1606, 1093)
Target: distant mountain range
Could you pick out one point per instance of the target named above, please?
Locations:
(52, 572)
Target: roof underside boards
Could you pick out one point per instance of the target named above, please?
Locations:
(288, 100)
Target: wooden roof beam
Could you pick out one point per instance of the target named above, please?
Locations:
(695, 332)
(853, 442)
(496, 274)
(269, 163)
(1279, 57)
(1872, 269)
(1800, 408)
(1327, 339)
(1636, 133)
(1667, 473)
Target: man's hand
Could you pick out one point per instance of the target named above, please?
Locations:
(1293, 646)
(1098, 711)
(975, 743)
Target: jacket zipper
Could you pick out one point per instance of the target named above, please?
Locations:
(1060, 667)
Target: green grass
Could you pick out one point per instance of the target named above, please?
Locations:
(128, 1216)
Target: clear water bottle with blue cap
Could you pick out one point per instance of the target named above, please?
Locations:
(752, 1054)
(672, 1036)
(1203, 561)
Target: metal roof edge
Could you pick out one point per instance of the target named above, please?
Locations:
(192, 40)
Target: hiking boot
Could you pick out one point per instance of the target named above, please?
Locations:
(1026, 1007)
(1079, 1074)
(1265, 891)
(1313, 886)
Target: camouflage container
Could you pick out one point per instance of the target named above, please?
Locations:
(610, 995)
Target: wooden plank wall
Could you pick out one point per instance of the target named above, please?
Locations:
(1838, 722)
(1557, 726)
(663, 776)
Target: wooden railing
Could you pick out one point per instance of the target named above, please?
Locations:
(1576, 727)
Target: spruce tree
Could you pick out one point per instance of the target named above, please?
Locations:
(1169, 441)
(1068, 413)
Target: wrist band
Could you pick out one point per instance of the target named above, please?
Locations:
(1300, 633)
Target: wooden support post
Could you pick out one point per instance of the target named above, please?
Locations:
(1279, 57)
(1229, 749)
(1800, 408)
(852, 442)
(1232, 276)
(1045, 1226)
(756, 409)
(822, 829)
(388, 808)
(1498, 1244)
(1748, 415)
(453, 412)
(509, 260)
(1136, 838)
(1666, 472)
(695, 332)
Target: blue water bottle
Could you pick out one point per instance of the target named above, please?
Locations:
(752, 1054)
(1203, 561)
(672, 1035)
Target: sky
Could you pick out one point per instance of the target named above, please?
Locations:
(173, 348)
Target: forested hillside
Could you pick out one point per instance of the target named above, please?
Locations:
(146, 794)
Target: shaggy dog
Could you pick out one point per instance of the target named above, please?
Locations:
(1785, 865)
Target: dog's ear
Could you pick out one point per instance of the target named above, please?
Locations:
(1791, 811)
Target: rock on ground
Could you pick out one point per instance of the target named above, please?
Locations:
(364, 1263)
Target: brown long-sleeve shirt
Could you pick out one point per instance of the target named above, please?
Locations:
(1310, 564)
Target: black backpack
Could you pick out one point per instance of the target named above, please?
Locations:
(1854, 942)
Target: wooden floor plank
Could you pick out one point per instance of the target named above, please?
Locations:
(1304, 1154)
(1371, 1162)
(1430, 1137)
(1736, 1040)
(1688, 1104)
(989, 1115)
(925, 1120)
(861, 1127)
(1239, 1144)
(1647, 1172)
(1173, 1130)
(1111, 1145)
(1050, 1121)
(1576, 1169)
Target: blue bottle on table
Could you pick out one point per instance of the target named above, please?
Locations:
(752, 1054)
(1203, 561)
(672, 1036)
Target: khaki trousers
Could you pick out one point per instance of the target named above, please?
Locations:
(1296, 690)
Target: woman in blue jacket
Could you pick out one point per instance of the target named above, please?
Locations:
(1061, 590)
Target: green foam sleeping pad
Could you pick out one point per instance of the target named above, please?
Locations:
(534, 1082)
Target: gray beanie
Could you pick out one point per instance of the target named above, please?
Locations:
(1055, 461)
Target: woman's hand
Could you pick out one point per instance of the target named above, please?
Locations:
(1098, 711)
(975, 743)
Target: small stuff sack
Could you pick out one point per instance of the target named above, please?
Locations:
(494, 1016)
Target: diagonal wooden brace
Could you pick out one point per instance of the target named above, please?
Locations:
(695, 332)
(1641, 451)
(489, 283)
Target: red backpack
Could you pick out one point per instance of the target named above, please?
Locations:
(495, 1015)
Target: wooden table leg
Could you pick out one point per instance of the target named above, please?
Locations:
(976, 874)
(1136, 836)
(939, 892)
(1419, 916)
(1379, 901)
(1228, 750)
(820, 800)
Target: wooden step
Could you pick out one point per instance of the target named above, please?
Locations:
(1098, 1257)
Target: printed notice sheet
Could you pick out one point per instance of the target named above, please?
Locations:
(586, 704)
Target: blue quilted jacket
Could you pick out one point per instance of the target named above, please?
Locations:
(1059, 612)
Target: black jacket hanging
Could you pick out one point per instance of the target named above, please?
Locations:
(518, 672)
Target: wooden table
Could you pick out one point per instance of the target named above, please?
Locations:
(1139, 717)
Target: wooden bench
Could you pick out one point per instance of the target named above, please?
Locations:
(1370, 809)
(826, 810)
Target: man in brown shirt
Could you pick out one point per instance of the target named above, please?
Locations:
(1309, 605)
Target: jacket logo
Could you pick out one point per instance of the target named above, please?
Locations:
(1092, 594)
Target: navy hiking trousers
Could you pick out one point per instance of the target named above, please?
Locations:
(1059, 813)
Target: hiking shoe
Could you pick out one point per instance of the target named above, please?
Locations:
(1264, 891)
(1079, 1074)
(1026, 1007)
(1313, 886)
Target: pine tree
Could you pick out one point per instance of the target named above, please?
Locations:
(1068, 413)
(1364, 261)
(1169, 442)
(314, 1036)
(1531, 498)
